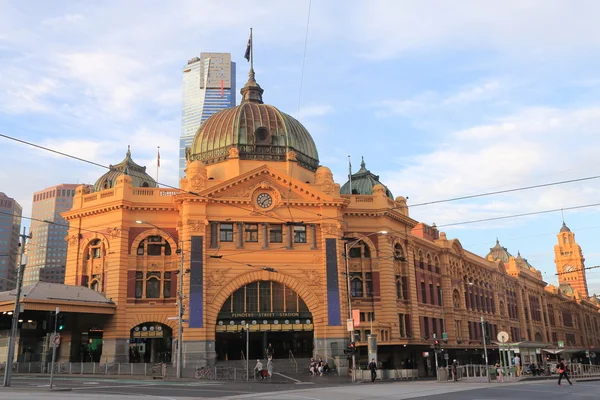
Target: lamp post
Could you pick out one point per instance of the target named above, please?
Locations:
(15, 316)
(180, 308)
(347, 247)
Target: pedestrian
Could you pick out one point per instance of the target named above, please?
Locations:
(270, 351)
(270, 367)
(454, 370)
(517, 364)
(563, 370)
(373, 368)
(500, 372)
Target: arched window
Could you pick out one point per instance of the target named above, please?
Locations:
(398, 253)
(152, 285)
(436, 262)
(356, 284)
(429, 266)
(95, 249)
(153, 246)
(421, 261)
(145, 184)
(95, 285)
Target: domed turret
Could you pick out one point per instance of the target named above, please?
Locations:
(564, 228)
(363, 182)
(139, 177)
(254, 131)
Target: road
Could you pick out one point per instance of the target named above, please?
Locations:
(36, 388)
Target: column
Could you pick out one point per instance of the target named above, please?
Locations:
(387, 287)
(289, 237)
(265, 235)
(313, 236)
(239, 235)
(520, 305)
(214, 234)
(413, 306)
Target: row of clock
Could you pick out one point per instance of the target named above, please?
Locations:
(148, 328)
(276, 322)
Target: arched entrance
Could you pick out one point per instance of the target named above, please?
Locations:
(150, 342)
(274, 314)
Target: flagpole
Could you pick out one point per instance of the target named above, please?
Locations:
(251, 52)
(157, 164)
(350, 174)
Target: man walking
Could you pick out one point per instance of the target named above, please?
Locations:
(373, 368)
(563, 370)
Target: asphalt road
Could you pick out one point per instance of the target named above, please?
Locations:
(36, 388)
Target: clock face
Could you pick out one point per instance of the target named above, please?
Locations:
(569, 268)
(264, 200)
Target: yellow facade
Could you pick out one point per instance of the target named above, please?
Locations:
(242, 218)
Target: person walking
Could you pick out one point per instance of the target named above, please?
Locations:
(270, 351)
(500, 372)
(517, 364)
(270, 367)
(563, 370)
(454, 370)
(373, 368)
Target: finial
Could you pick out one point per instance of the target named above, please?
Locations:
(128, 151)
(497, 241)
(362, 162)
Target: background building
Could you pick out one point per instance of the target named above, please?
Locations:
(208, 87)
(10, 226)
(47, 249)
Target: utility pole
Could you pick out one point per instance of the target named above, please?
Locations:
(15, 317)
(487, 372)
(180, 311)
(54, 345)
(247, 350)
(350, 309)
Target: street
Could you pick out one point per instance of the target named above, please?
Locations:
(34, 388)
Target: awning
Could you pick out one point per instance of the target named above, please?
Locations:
(553, 351)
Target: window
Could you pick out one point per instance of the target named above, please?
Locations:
(276, 233)
(299, 234)
(423, 293)
(402, 325)
(140, 249)
(439, 293)
(95, 285)
(356, 284)
(152, 285)
(354, 252)
(226, 233)
(399, 287)
(167, 285)
(139, 284)
(251, 233)
(431, 294)
(369, 283)
(155, 245)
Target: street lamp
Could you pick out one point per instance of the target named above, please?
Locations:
(347, 246)
(180, 308)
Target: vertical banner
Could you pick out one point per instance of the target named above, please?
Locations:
(196, 304)
(333, 285)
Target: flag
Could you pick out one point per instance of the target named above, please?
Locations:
(248, 47)
(158, 158)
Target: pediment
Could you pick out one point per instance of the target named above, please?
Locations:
(282, 187)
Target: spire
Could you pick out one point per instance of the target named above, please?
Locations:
(565, 228)
(362, 162)
(128, 154)
(497, 242)
(251, 91)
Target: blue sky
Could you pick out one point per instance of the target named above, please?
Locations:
(441, 98)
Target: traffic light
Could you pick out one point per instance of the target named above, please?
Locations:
(436, 345)
(60, 322)
(351, 350)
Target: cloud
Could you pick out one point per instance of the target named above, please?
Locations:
(315, 110)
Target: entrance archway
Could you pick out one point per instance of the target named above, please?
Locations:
(274, 314)
(150, 342)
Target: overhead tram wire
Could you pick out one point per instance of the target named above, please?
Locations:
(304, 58)
(133, 174)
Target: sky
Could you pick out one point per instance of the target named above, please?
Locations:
(442, 99)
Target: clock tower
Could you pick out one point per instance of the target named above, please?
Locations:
(570, 262)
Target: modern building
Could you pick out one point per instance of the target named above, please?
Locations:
(208, 87)
(47, 249)
(10, 226)
(262, 238)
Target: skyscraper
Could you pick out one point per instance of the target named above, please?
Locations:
(10, 225)
(47, 249)
(208, 87)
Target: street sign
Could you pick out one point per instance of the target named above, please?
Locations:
(502, 337)
(561, 343)
(349, 325)
(444, 336)
(587, 353)
(55, 340)
(446, 356)
(592, 354)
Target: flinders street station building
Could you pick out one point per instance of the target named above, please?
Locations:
(259, 241)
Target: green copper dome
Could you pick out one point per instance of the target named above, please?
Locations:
(139, 177)
(253, 131)
(363, 182)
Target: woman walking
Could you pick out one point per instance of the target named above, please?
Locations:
(270, 367)
(563, 370)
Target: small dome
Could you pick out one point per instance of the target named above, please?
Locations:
(323, 171)
(256, 130)
(499, 253)
(565, 228)
(363, 182)
(139, 177)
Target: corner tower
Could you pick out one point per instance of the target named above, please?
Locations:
(569, 261)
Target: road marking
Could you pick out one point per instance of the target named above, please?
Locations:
(91, 383)
(547, 391)
(288, 377)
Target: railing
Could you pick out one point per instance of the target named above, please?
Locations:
(293, 362)
(153, 370)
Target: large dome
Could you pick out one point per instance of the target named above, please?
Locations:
(139, 177)
(256, 131)
(363, 182)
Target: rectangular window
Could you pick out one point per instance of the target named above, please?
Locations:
(439, 294)
(276, 233)
(356, 284)
(299, 234)
(369, 283)
(139, 284)
(399, 288)
(152, 285)
(167, 285)
(458, 329)
(402, 325)
(431, 294)
(226, 232)
(251, 233)
(426, 327)
(423, 293)
(354, 252)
